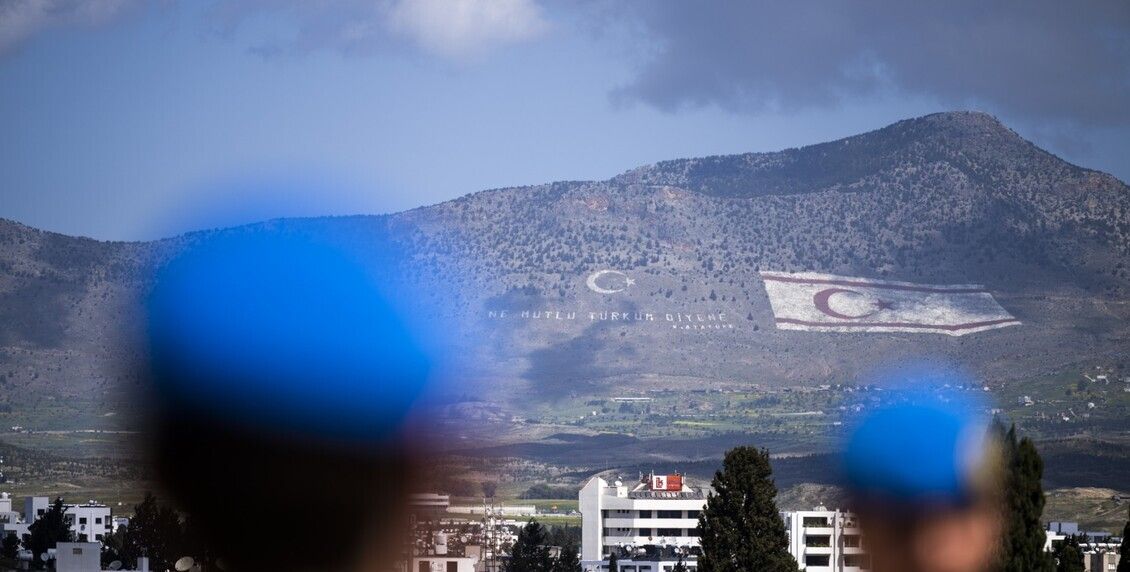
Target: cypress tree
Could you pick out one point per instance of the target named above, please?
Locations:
(1124, 550)
(1068, 556)
(568, 560)
(47, 531)
(1022, 548)
(680, 566)
(740, 527)
(530, 552)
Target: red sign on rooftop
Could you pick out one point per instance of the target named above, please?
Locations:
(667, 482)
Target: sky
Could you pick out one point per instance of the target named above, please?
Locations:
(135, 119)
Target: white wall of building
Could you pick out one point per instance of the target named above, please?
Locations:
(614, 514)
(78, 557)
(825, 541)
(90, 522)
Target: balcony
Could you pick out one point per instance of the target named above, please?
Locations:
(617, 522)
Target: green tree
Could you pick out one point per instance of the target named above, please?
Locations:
(740, 528)
(153, 531)
(1124, 550)
(10, 547)
(112, 547)
(680, 565)
(569, 560)
(1022, 548)
(1068, 555)
(47, 531)
(530, 552)
(613, 561)
(489, 488)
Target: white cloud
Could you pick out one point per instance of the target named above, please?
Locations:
(21, 19)
(460, 29)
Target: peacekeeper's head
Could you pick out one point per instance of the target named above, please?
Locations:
(284, 373)
(925, 479)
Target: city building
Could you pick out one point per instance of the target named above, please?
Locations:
(78, 557)
(500, 510)
(650, 523)
(11, 522)
(1101, 561)
(90, 521)
(824, 540)
(428, 506)
(443, 564)
(653, 523)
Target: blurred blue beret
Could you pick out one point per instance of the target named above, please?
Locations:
(918, 453)
(283, 332)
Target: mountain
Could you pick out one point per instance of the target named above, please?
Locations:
(947, 198)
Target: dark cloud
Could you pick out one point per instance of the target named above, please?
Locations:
(1041, 60)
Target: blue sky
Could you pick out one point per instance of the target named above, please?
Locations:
(132, 120)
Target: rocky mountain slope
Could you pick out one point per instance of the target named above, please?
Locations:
(946, 198)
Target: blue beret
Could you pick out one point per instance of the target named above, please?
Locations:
(917, 453)
(283, 332)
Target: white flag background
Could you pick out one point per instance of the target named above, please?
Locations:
(829, 303)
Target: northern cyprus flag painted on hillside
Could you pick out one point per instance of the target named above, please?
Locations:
(828, 303)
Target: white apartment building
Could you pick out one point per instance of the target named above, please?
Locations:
(1101, 561)
(652, 522)
(649, 523)
(826, 540)
(90, 522)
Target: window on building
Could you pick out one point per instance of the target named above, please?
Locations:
(604, 513)
(645, 532)
(817, 560)
(818, 540)
(852, 540)
(670, 532)
(815, 522)
(645, 514)
(670, 514)
(97, 520)
(82, 520)
(76, 551)
(452, 566)
(856, 561)
(425, 566)
(696, 531)
(98, 537)
(693, 513)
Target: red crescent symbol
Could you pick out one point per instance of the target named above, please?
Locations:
(821, 299)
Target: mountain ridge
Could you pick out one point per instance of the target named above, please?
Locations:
(947, 198)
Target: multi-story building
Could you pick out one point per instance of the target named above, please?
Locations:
(1106, 561)
(826, 540)
(90, 522)
(650, 524)
(653, 523)
(11, 522)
